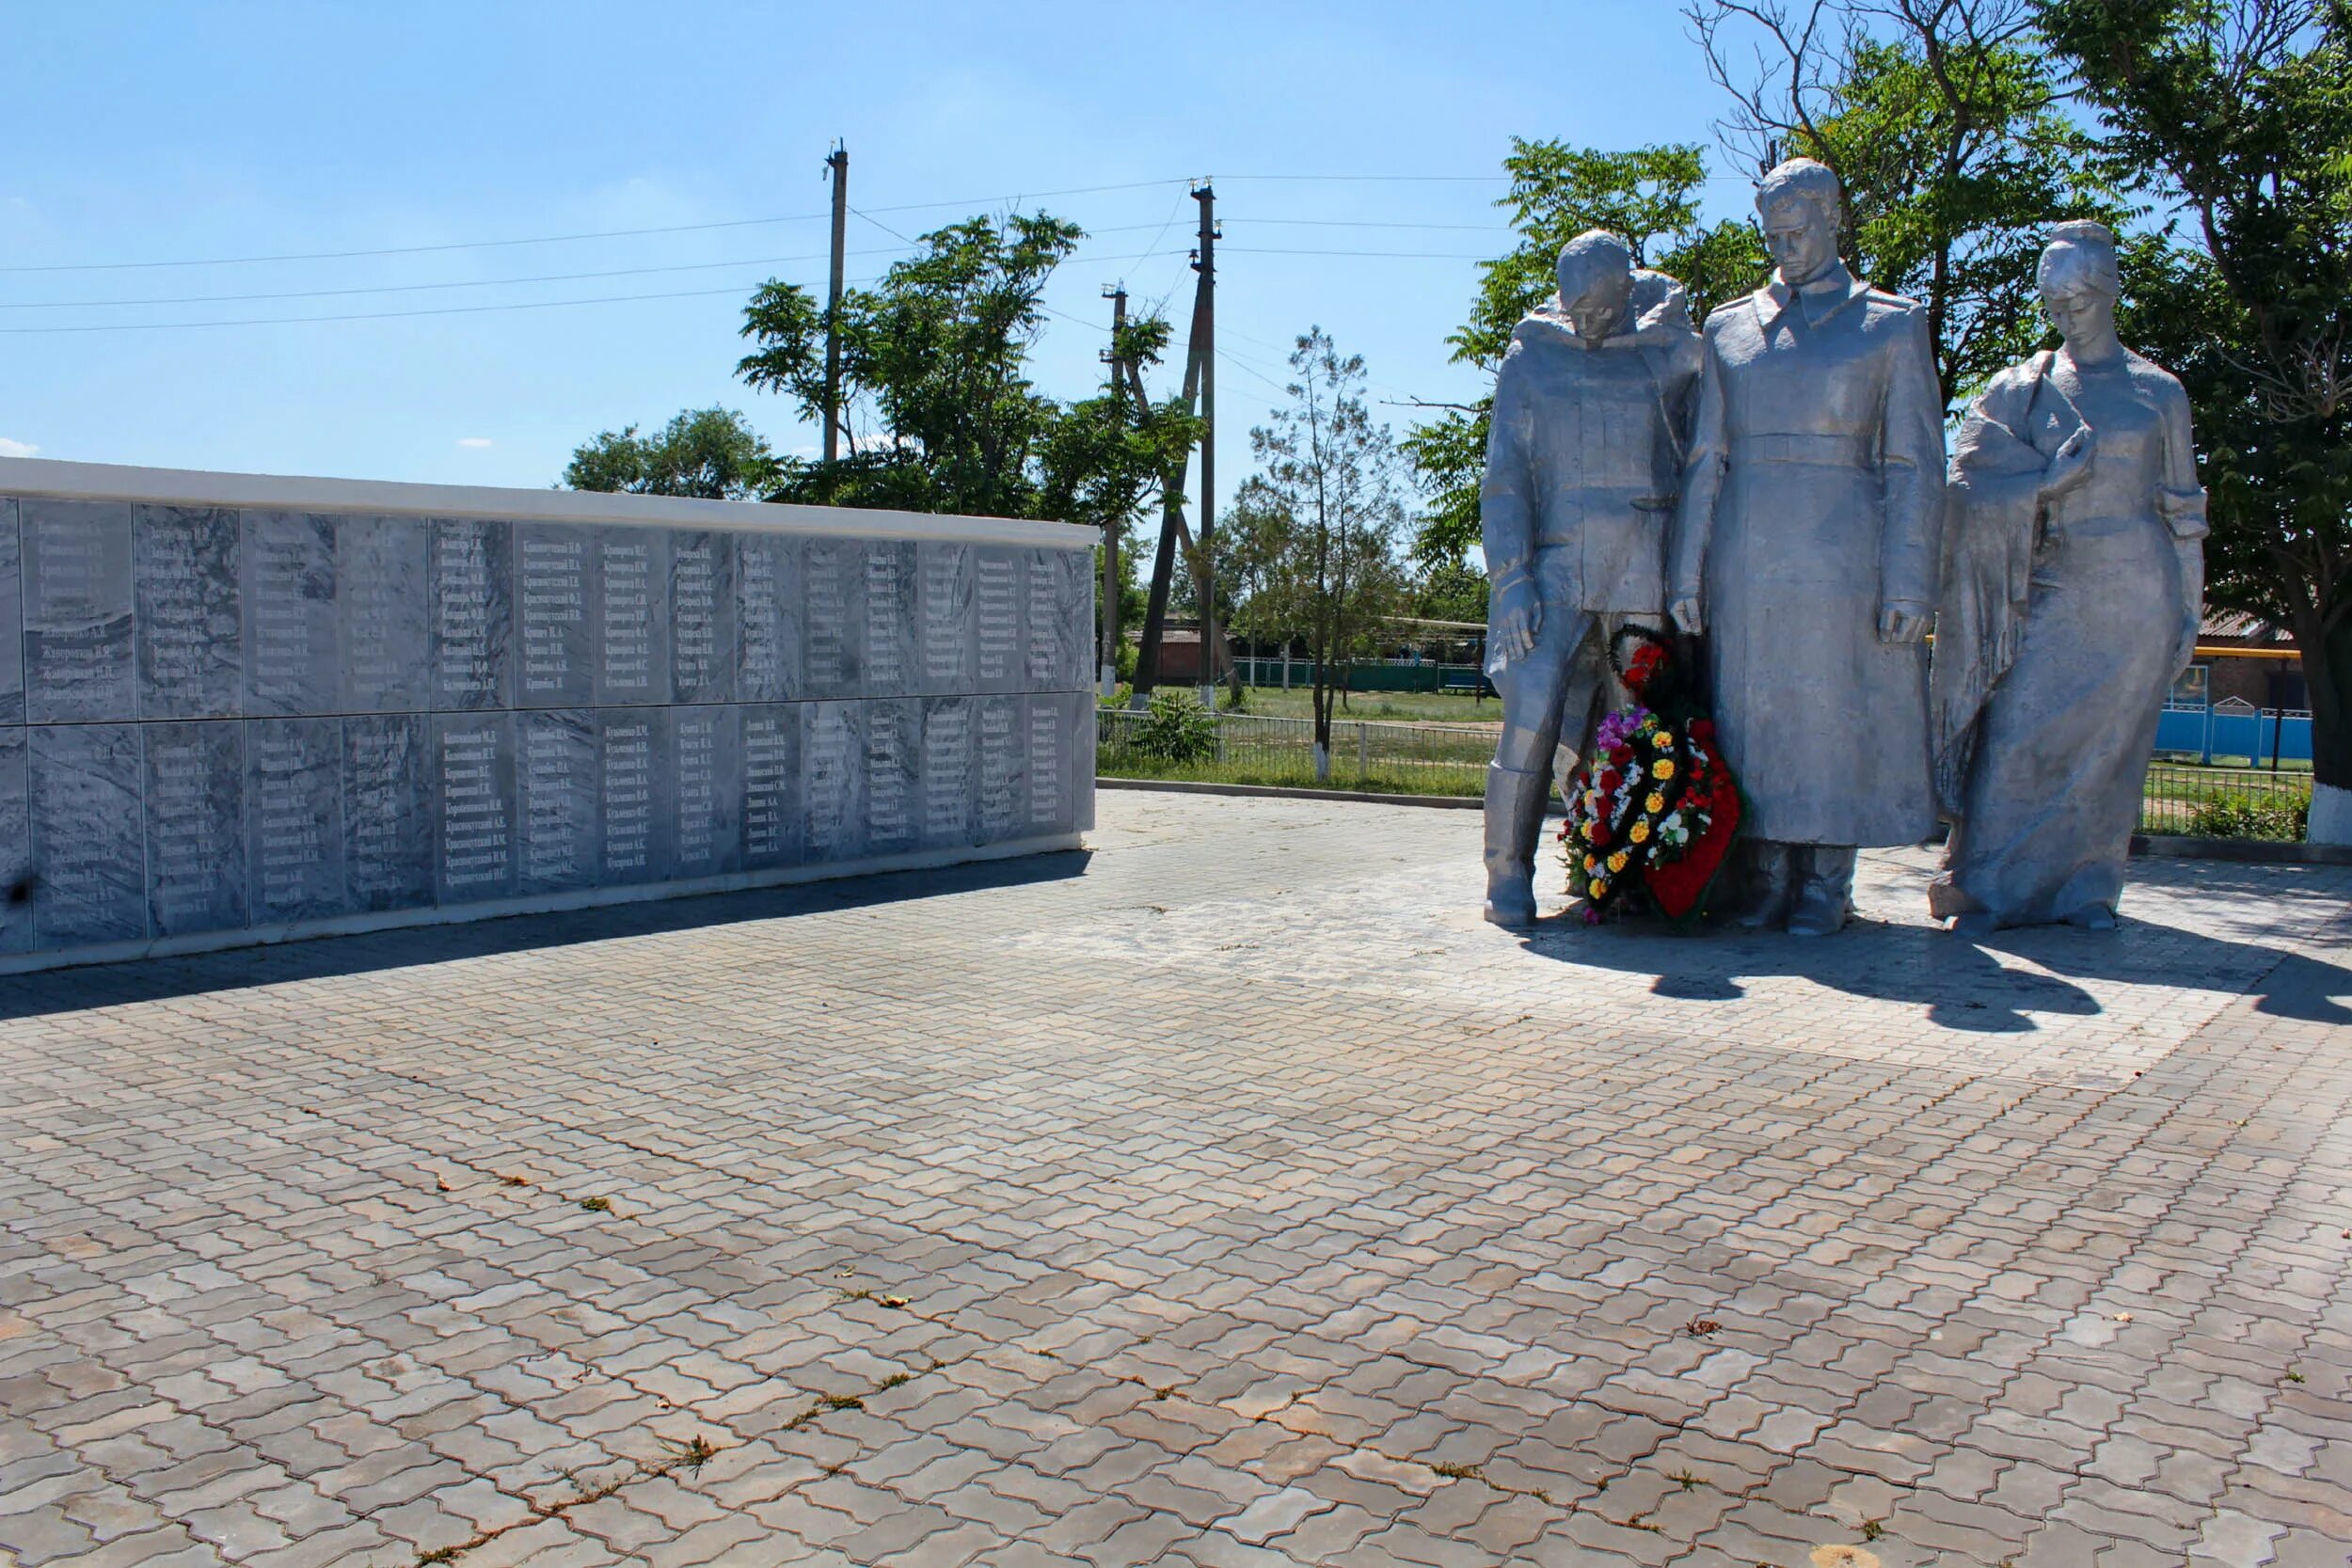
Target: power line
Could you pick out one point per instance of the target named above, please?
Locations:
(702, 228)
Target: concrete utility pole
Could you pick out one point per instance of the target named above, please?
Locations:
(837, 169)
(1113, 526)
(1205, 346)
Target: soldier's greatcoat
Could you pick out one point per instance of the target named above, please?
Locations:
(1814, 495)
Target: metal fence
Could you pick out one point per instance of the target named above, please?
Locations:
(1247, 748)
(1451, 759)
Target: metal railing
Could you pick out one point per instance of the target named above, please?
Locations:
(1451, 759)
(1247, 748)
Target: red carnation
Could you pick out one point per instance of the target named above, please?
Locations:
(1701, 729)
(1609, 781)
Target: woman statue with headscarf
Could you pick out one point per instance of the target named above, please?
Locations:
(2073, 586)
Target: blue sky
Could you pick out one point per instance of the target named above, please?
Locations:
(162, 133)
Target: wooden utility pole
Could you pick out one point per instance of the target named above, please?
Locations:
(1205, 346)
(837, 169)
(1113, 526)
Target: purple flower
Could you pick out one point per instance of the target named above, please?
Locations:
(1619, 728)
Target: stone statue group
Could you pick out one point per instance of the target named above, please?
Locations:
(1779, 483)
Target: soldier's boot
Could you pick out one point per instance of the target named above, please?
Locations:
(1824, 890)
(1515, 820)
(1762, 884)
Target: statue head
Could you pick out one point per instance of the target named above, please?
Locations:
(1801, 207)
(2080, 281)
(1597, 283)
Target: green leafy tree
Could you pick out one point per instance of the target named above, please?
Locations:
(706, 453)
(1650, 196)
(1947, 124)
(937, 404)
(1317, 531)
(2235, 117)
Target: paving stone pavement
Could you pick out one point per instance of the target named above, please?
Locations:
(1229, 1196)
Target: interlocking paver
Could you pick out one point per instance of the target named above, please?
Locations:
(1192, 1210)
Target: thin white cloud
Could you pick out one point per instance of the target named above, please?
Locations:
(476, 442)
(17, 448)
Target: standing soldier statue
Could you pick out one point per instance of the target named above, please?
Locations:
(1582, 467)
(1809, 529)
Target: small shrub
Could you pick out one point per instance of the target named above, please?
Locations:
(1176, 729)
(2241, 815)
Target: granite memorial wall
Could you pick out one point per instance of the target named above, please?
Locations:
(234, 709)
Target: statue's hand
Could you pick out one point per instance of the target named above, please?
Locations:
(1518, 616)
(1685, 614)
(1903, 621)
(2068, 465)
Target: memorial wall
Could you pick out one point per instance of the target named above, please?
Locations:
(237, 708)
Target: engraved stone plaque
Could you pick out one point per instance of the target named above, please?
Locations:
(1086, 721)
(768, 579)
(473, 783)
(558, 783)
(190, 628)
(11, 649)
(836, 616)
(389, 840)
(706, 750)
(196, 860)
(890, 624)
(949, 772)
(1001, 808)
(293, 802)
(894, 801)
(943, 648)
(702, 618)
(16, 844)
(773, 829)
(292, 616)
(89, 850)
(383, 596)
(998, 586)
(1074, 609)
(1047, 762)
(633, 807)
(78, 652)
(633, 625)
(834, 764)
(473, 616)
(555, 584)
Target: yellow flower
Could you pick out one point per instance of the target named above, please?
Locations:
(1639, 832)
(1597, 887)
(1662, 768)
(1616, 861)
(1592, 863)
(1655, 803)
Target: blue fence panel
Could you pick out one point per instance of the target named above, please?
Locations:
(2213, 733)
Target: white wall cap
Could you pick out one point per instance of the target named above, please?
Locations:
(47, 478)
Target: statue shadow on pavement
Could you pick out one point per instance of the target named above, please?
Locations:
(44, 992)
(1991, 985)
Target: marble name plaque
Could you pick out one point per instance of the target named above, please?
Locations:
(16, 843)
(473, 616)
(998, 645)
(891, 627)
(774, 819)
(190, 632)
(473, 779)
(702, 618)
(705, 747)
(633, 795)
(85, 789)
(195, 800)
(384, 614)
(79, 647)
(293, 615)
(945, 651)
(834, 771)
(832, 608)
(632, 624)
(11, 635)
(293, 804)
(559, 791)
(894, 800)
(390, 805)
(769, 574)
(950, 773)
(555, 594)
